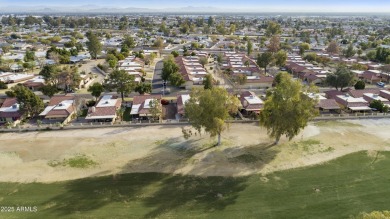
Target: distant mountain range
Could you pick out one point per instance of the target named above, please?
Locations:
(97, 9)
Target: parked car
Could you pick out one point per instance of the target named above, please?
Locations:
(381, 84)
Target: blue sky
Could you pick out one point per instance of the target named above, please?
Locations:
(260, 5)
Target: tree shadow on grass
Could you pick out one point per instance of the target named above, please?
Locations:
(190, 192)
(162, 194)
(89, 194)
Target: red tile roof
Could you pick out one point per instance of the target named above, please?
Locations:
(9, 102)
(55, 100)
(359, 93)
(328, 104)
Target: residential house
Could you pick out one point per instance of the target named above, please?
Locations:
(15, 77)
(385, 94)
(192, 71)
(35, 83)
(60, 108)
(325, 105)
(142, 104)
(257, 82)
(132, 66)
(250, 102)
(371, 76)
(105, 110)
(10, 111)
(370, 97)
(360, 93)
(353, 103)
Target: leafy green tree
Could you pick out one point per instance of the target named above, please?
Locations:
(94, 45)
(371, 55)
(208, 109)
(30, 104)
(342, 78)
(3, 85)
(49, 90)
(49, 73)
(30, 56)
(232, 29)
(143, 88)
(242, 79)
(96, 89)
(380, 106)
(176, 79)
(175, 53)
(29, 65)
(349, 52)
(287, 109)
(280, 58)
(211, 21)
(203, 61)
(273, 28)
(360, 67)
(219, 58)
(128, 41)
(249, 47)
(5, 49)
(169, 67)
(159, 44)
(303, 47)
(247, 63)
(264, 60)
(112, 63)
(155, 108)
(120, 81)
(360, 85)
(208, 81)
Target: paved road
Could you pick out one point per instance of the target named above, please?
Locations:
(157, 80)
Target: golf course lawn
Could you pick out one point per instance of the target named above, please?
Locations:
(338, 189)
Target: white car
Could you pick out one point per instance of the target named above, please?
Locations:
(381, 84)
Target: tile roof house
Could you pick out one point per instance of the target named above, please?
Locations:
(324, 104)
(60, 108)
(371, 97)
(360, 93)
(10, 111)
(353, 103)
(105, 109)
(371, 76)
(141, 104)
(250, 102)
(385, 94)
(328, 104)
(255, 82)
(35, 83)
(191, 70)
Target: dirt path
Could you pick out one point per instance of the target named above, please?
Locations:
(246, 149)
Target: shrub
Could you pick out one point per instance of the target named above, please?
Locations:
(360, 85)
(3, 85)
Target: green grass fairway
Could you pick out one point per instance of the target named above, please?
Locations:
(338, 189)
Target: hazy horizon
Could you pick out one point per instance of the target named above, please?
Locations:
(379, 6)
